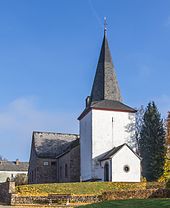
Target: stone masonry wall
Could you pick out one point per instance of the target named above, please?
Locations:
(136, 194)
(42, 170)
(6, 190)
(75, 164)
(72, 161)
(55, 169)
(115, 195)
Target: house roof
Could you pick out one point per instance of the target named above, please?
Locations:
(13, 166)
(107, 105)
(105, 85)
(50, 145)
(113, 151)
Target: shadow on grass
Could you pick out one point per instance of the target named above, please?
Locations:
(132, 203)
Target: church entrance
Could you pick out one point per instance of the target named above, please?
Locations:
(106, 171)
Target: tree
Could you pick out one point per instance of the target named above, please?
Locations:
(152, 143)
(166, 174)
(2, 158)
(136, 127)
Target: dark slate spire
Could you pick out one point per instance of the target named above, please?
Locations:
(105, 85)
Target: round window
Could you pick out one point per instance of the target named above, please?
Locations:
(126, 168)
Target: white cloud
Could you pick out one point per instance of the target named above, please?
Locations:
(21, 117)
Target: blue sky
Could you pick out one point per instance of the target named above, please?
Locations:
(48, 57)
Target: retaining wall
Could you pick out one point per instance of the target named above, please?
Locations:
(8, 196)
(6, 190)
(114, 195)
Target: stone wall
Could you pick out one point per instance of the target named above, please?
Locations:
(53, 199)
(42, 170)
(8, 196)
(71, 162)
(46, 170)
(6, 190)
(115, 195)
(136, 194)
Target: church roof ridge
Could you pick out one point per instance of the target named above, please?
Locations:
(55, 133)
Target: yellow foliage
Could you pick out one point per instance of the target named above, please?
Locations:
(82, 188)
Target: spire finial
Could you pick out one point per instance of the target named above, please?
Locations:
(105, 25)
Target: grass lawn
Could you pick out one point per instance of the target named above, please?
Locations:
(132, 203)
(92, 188)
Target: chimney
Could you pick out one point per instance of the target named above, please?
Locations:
(17, 162)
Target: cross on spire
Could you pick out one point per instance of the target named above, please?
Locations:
(105, 25)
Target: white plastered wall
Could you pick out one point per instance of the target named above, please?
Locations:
(10, 174)
(100, 131)
(86, 147)
(107, 134)
(125, 157)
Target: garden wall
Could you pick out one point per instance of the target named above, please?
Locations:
(6, 189)
(136, 194)
(8, 195)
(114, 195)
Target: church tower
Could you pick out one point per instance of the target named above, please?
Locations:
(105, 122)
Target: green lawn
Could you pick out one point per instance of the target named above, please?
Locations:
(92, 188)
(132, 203)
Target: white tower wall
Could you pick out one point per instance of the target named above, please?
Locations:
(86, 147)
(110, 129)
(100, 131)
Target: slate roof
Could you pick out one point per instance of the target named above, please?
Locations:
(107, 105)
(105, 85)
(51, 145)
(112, 105)
(12, 166)
(113, 151)
(105, 93)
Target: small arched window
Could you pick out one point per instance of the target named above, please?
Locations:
(60, 172)
(66, 171)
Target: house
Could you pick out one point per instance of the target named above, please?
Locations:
(103, 152)
(9, 169)
(55, 157)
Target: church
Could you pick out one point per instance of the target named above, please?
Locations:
(101, 151)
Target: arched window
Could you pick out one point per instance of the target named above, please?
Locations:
(66, 171)
(60, 172)
(106, 171)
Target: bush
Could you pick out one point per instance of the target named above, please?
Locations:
(168, 184)
(21, 179)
